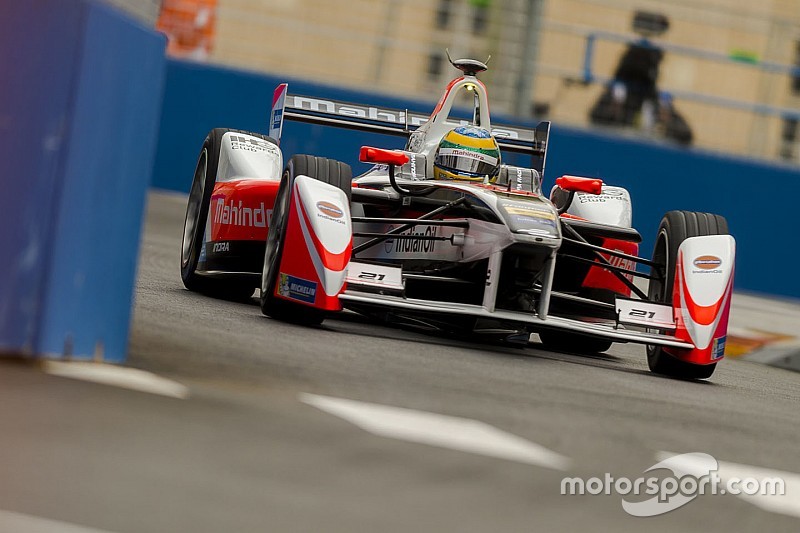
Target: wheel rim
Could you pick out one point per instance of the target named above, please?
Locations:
(273, 238)
(656, 290)
(193, 207)
(656, 287)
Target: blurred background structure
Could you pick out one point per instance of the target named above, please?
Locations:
(145, 11)
(724, 71)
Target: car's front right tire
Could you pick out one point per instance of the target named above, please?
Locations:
(676, 227)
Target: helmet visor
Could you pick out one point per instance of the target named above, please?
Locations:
(468, 162)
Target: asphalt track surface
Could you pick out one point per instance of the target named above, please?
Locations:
(243, 453)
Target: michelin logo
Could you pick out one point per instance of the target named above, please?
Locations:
(298, 289)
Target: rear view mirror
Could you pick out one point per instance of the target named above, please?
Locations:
(580, 184)
(379, 155)
(566, 187)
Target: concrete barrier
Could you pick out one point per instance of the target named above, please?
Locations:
(756, 197)
(79, 108)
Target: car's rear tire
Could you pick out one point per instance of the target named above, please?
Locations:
(675, 227)
(571, 342)
(326, 170)
(194, 226)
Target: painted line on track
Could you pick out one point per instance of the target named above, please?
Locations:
(786, 504)
(117, 376)
(23, 523)
(462, 434)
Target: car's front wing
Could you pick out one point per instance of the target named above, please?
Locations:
(607, 330)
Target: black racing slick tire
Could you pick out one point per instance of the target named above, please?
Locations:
(675, 227)
(570, 342)
(194, 226)
(326, 170)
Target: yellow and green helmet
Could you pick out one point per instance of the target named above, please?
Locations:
(467, 153)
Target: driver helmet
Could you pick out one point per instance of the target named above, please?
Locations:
(467, 153)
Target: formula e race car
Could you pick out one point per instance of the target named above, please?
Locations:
(426, 239)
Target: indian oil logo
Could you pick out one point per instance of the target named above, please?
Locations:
(330, 210)
(708, 262)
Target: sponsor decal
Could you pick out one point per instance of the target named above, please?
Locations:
(276, 118)
(220, 247)
(298, 289)
(532, 231)
(416, 245)
(586, 198)
(718, 348)
(318, 105)
(620, 262)
(533, 212)
(707, 262)
(545, 221)
(469, 154)
(412, 159)
(231, 214)
(252, 144)
(519, 183)
(329, 210)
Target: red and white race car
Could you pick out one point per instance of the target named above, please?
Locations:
(488, 254)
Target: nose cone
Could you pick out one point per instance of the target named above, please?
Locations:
(533, 216)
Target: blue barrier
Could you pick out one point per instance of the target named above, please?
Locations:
(755, 197)
(660, 177)
(79, 108)
(198, 98)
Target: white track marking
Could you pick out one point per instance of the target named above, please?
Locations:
(433, 429)
(118, 376)
(787, 503)
(22, 523)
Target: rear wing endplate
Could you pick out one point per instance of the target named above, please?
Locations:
(326, 112)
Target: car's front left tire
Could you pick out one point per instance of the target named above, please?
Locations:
(326, 170)
(195, 222)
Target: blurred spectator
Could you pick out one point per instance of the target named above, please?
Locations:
(632, 97)
(670, 123)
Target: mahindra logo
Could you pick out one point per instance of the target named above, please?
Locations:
(621, 262)
(708, 262)
(317, 105)
(238, 215)
(329, 209)
(331, 107)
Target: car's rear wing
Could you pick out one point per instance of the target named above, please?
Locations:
(327, 112)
